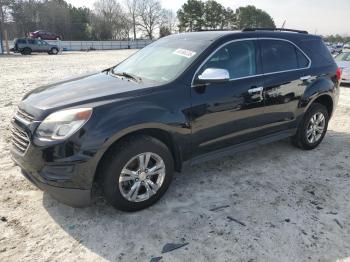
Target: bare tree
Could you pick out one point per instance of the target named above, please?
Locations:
(4, 12)
(108, 18)
(132, 7)
(151, 16)
(169, 20)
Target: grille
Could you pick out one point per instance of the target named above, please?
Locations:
(19, 140)
(24, 115)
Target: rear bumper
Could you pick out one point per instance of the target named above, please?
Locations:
(69, 196)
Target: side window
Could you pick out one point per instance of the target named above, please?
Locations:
(280, 55)
(302, 60)
(238, 58)
(21, 41)
(31, 41)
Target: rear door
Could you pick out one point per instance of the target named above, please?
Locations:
(32, 44)
(286, 74)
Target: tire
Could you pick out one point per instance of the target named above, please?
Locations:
(126, 156)
(53, 51)
(26, 51)
(303, 138)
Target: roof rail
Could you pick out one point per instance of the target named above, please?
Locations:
(274, 29)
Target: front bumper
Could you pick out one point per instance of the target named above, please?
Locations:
(70, 196)
(62, 169)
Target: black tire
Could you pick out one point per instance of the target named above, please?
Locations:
(119, 156)
(53, 51)
(300, 139)
(26, 51)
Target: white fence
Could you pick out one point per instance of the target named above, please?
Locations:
(97, 45)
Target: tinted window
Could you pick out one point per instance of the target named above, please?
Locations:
(238, 58)
(302, 60)
(278, 56)
(31, 41)
(317, 51)
(21, 41)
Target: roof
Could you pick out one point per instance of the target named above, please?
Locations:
(214, 35)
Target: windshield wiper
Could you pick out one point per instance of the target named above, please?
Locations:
(128, 75)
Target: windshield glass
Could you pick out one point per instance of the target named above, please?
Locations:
(163, 60)
(343, 57)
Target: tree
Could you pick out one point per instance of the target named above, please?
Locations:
(4, 14)
(191, 16)
(214, 15)
(250, 16)
(169, 21)
(109, 20)
(230, 20)
(133, 8)
(151, 16)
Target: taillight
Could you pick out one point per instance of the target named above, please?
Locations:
(339, 73)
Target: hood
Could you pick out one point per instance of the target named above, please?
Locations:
(82, 90)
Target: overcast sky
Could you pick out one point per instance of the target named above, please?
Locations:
(321, 16)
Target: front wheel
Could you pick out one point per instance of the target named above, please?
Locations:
(53, 51)
(137, 173)
(312, 128)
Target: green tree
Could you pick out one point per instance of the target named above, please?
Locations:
(229, 21)
(250, 16)
(214, 15)
(191, 16)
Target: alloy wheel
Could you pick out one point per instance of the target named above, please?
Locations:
(315, 128)
(141, 177)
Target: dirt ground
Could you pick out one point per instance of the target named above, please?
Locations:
(273, 203)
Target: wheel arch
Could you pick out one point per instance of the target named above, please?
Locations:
(161, 134)
(323, 99)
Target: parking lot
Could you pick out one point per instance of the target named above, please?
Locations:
(273, 203)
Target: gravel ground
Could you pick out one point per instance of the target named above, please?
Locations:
(273, 203)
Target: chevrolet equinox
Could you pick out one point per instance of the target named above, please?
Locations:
(185, 98)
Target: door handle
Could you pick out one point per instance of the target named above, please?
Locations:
(304, 78)
(256, 90)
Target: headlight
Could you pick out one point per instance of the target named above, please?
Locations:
(62, 124)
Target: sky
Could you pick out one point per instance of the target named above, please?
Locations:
(316, 16)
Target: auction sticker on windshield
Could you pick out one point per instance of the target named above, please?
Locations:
(184, 52)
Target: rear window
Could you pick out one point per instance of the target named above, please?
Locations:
(317, 51)
(281, 55)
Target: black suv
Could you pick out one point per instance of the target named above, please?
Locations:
(186, 98)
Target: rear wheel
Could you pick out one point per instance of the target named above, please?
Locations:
(26, 51)
(312, 128)
(137, 173)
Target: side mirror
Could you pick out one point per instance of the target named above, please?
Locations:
(214, 75)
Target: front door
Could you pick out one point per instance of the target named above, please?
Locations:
(228, 112)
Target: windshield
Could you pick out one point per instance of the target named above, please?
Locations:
(163, 60)
(343, 57)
